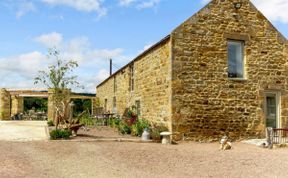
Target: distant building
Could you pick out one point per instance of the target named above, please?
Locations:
(223, 71)
(12, 101)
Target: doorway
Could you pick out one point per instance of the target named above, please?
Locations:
(272, 100)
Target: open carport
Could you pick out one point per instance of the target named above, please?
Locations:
(23, 130)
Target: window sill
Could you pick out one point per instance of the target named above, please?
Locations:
(238, 79)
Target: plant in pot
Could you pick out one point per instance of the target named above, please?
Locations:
(132, 115)
(138, 127)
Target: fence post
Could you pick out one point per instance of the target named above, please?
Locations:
(269, 136)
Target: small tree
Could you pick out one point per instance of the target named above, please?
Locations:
(58, 79)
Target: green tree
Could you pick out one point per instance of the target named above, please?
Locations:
(40, 104)
(81, 105)
(58, 78)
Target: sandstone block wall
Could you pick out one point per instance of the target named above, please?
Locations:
(4, 105)
(17, 105)
(95, 104)
(209, 103)
(51, 102)
(152, 86)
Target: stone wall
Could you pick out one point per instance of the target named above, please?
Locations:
(52, 99)
(208, 103)
(17, 105)
(152, 86)
(4, 105)
(286, 51)
(95, 104)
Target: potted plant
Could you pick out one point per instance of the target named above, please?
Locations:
(132, 115)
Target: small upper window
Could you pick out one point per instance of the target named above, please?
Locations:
(114, 105)
(115, 84)
(235, 59)
(138, 107)
(105, 106)
(132, 75)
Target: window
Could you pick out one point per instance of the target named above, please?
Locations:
(132, 75)
(235, 59)
(138, 107)
(115, 84)
(114, 105)
(105, 105)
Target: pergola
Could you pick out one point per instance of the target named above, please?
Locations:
(12, 100)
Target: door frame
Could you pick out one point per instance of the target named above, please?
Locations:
(278, 106)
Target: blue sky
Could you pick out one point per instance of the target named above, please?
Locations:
(91, 32)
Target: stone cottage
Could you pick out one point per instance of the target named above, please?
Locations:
(223, 71)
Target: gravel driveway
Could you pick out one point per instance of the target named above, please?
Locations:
(120, 159)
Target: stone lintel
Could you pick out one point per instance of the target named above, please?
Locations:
(237, 36)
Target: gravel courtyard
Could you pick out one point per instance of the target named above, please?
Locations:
(69, 159)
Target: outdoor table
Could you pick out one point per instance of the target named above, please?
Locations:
(105, 117)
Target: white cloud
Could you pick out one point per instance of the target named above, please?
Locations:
(147, 46)
(24, 8)
(19, 71)
(53, 39)
(274, 10)
(139, 4)
(27, 63)
(91, 81)
(102, 75)
(126, 2)
(90, 60)
(106, 53)
(148, 4)
(79, 48)
(81, 5)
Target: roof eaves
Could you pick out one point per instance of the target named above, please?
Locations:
(136, 58)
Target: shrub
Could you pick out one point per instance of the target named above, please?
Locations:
(124, 128)
(50, 123)
(156, 130)
(117, 121)
(113, 122)
(132, 112)
(132, 115)
(138, 128)
(134, 130)
(60, 134)
(86, 120)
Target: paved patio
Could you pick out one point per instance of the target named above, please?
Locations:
(23, 130)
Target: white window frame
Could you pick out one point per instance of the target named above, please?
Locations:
(243, 59)
(278, 107)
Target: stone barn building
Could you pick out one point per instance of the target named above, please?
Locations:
(222, 71)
